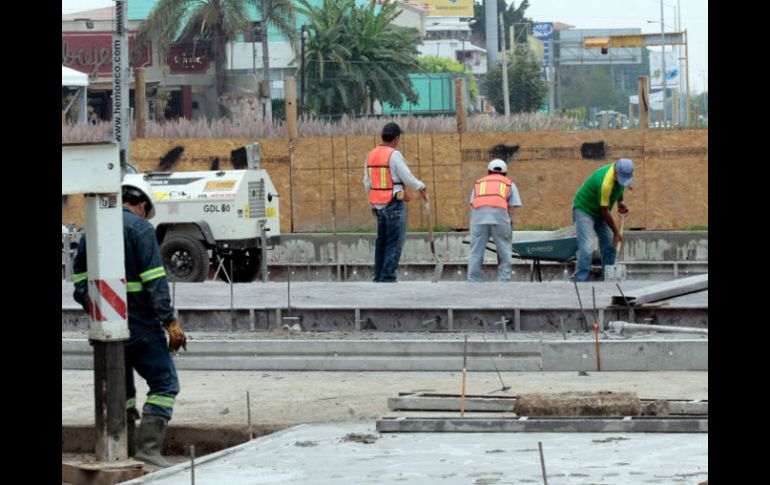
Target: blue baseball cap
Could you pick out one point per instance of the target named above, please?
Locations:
(624, 171)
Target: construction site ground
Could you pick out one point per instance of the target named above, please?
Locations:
(211, 400)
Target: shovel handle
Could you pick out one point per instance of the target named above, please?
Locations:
(622, 223)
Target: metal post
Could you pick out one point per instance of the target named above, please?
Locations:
(232, 312)
(140, 95)
(248, 413)
(110, 401)
(85, 172)
(336, 241)
(506, 96)
(121, 128)
(542, 462)
(644, 103)
(303, 36)
(192, 464)
(461, 115)
(490, 27)
(663, 59)
(687, 70)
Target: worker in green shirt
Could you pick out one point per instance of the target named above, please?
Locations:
(591, 214)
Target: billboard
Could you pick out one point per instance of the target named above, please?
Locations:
(656, 70)
(571, 51)
(444, 8)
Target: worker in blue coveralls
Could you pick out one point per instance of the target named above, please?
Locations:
(149, 310)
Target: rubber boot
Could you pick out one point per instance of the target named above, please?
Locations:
(152, 431)
(131, 416)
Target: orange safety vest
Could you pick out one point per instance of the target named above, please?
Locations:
(380, 182)
(492, 191)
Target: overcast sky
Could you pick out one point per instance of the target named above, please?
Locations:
(592, 14)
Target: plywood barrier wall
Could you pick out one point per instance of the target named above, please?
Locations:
(670, 188)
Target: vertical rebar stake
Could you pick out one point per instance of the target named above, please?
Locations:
(232, 314)
(248, 414)
(542, 463)
(192, 464)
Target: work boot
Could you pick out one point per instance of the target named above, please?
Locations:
(152, 431)
(131, 416)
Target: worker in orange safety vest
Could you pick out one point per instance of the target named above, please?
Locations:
(385, 174)
(493, 199)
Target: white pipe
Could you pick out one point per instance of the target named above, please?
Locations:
(620, 326)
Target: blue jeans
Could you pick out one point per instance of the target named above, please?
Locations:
(149, 355)
(480, 234)
(586, 226)
(391, 234)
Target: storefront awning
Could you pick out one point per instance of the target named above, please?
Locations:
(71, 77)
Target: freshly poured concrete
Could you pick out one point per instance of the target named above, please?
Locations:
(319, 454)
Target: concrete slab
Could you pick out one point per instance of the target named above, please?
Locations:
(404, 295)
(422, 355)
(320, 454)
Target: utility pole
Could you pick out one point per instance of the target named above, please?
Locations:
(121, 124)
(506, 96)
(663, 59)
(490, 29)
(303, 35)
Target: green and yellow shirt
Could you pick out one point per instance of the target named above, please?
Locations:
(600, 190)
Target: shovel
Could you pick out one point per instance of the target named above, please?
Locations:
(439, 269)
(617, 271)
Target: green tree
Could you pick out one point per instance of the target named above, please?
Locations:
(280, 15)
(512, 16)
(210, 22)
(355, 55)
(525, 88)
(442, 64)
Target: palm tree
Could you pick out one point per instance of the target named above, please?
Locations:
(280, 15)
(355, 55)
(211, 22)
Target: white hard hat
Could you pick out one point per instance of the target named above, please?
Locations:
(497, 165)
(136, 183)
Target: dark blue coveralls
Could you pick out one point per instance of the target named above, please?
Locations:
(149, 307)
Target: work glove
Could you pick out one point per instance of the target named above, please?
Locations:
(176, 337)
(374, 212)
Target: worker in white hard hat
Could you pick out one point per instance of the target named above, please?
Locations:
(149, 312)
(493, 200)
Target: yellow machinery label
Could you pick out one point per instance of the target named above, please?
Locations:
(270, 212)
(219, 185)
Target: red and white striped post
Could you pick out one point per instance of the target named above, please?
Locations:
(94, 170)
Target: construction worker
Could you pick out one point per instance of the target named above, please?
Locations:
(493, 200)
(385, 174)
(149, 308)
(591, 214)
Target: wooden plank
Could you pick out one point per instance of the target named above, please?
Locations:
(543, 425)
(492, 403)
(100, 473)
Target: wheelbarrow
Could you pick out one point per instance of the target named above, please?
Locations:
(560, 250)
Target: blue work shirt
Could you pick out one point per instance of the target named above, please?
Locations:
(147, 292)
